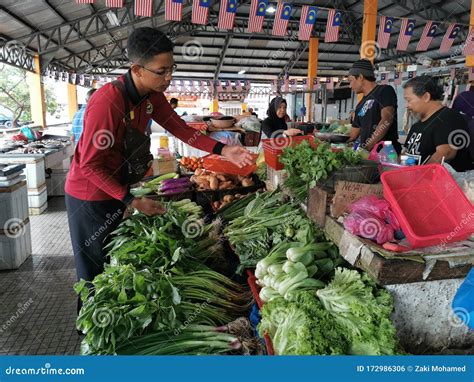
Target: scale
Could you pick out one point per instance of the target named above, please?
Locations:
(9, 169)
(10, 174)
(11, 182)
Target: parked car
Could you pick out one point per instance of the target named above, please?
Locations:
(6, 121)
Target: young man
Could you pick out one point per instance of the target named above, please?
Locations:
(375, 117)
(78, 119)
(174, 103)
(96, 194)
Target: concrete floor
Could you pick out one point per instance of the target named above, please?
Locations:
(37, 302)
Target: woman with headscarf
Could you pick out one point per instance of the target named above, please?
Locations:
(275, 125)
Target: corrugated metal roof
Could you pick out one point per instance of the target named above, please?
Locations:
(87, 39)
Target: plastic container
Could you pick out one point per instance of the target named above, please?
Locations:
(255, 289)
(273, 148)
(430, 206)
(388, 153)
(197, 125)
(217, 163)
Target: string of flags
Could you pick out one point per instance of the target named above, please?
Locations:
(309, 15)
(176, 86)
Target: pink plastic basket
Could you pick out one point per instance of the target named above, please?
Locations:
(430, 206)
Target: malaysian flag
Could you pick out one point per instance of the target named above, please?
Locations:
(315, 83)
(286, 84)
(257, 15)
(144, 8)
(274, 86)
(307, 21)
(406, 31)
(411, 74)
(292, 85)
(218, 86)
(114, 3)
(227, 14)
(332, 27)
(200, 11)
(397, 80)
(329, 84)
(282, 17)
(427, 36)
(305, 84)
(469, 45)
(172, 87)
(385, 29)
(84, 1)
(384, 78)
(173, 10)
(449, 37)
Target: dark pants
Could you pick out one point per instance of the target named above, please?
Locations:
(90, 223)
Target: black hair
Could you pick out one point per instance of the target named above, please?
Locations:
(425, 84)
(145, 43)
(89, 93)
(174, 100)
(369, 78)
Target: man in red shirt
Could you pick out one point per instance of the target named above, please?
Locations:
(95, 195)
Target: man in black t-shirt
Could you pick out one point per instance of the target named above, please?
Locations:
(375, 116)
(441, 132)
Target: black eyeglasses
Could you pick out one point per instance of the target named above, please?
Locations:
(164, 72)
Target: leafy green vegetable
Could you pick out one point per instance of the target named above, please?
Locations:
(351, 315)
(301, 326)
(363, 309)
(267, 220)
(157, 281)
(307, 166)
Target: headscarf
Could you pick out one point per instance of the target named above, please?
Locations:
(273, 123)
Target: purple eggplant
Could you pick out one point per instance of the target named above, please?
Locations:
(176, 190)
(176, 181)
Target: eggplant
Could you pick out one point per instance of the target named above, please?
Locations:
(175, 190)
(176, 181)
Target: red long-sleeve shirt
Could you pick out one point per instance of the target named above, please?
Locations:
(95, 169)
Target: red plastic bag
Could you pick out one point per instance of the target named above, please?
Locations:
(369, 226)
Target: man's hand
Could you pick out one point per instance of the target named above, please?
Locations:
(238, 155)
(148, 207)
(292, 132)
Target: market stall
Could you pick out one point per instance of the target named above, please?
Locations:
(284, 259)
(46, 163)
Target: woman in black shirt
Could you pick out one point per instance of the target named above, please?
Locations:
(275, 124)
(441, 133)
